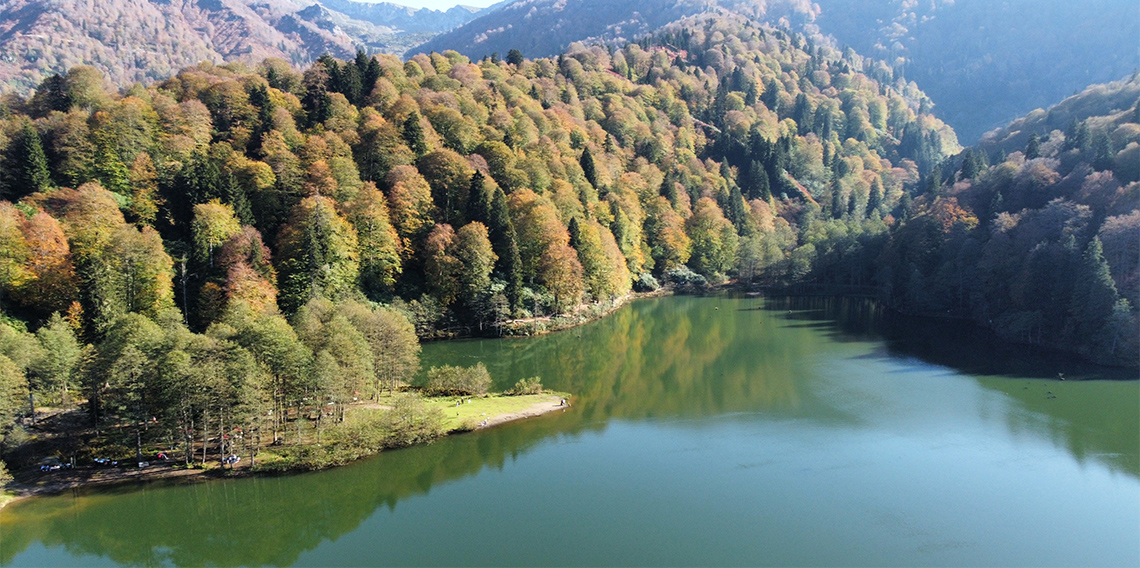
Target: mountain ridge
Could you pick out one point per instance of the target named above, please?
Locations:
(140, 40)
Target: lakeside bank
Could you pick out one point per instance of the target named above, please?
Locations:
(471, 414)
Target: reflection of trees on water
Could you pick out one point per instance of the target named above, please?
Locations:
(255, 521)
(673, 357)
(661, 358)
(669, 357)
(1082, 417)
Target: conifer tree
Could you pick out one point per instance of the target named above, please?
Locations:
(589, 169)
(26, 164)
(504, 243)
(413, 133)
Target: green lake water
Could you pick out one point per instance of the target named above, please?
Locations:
(705, 431)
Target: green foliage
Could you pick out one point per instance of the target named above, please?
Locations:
(447, 379)
(532, 385)
(319, 252)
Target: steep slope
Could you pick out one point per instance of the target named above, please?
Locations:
(542, 28)
(139, 40)
(1098, 104)
(1043, 246)
(132, 40)
(985, 63)
(982, 63)
(403, 18)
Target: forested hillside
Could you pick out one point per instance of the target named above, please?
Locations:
(264, 237)
(1036, 232)
(982, 63)
(543, 28)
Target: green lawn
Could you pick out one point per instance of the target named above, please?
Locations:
(469, 414)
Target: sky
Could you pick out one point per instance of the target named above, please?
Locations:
(443, 4)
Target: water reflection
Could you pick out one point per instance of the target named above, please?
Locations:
(1074, 414)
(656, 360)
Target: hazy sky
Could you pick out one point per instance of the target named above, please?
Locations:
(442, 4)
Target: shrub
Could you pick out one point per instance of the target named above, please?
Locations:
(646, 283)
(532, 385)
(412, 422)
(684, 277)
(458, 380)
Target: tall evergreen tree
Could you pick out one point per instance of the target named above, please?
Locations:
(504, 242)
(26, 164)
(1033, 148)
(479, 199)
(589, 169)
(413, 133)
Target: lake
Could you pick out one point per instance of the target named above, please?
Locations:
(705, 431)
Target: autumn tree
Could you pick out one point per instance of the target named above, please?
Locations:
(319, 254)
(392, 341)
(214, 224)
(441, 268)
(14, 252)
(52, 282)
(714, 239)
(410, 204)
(477, 258)
(380, 245)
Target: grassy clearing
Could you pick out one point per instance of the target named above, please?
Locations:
(395, 421)
(6, 498)
(469, 414)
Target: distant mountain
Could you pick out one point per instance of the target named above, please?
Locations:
(542, 28)
(985, 63)
(403, 18)
(138, 40)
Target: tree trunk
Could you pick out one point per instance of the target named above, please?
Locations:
(138, 441)
(205, 433)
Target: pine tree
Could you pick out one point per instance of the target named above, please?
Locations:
(876, 196)
(479, 199)
(505, 244)
(413, 133)
(588, 168)
(575, 231)
(1101, 146)
(26, 164)
(1033, 148)
(1095, 295)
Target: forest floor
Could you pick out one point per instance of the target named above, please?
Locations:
(478, 413)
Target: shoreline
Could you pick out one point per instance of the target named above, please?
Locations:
(529, 327)
(91, 477)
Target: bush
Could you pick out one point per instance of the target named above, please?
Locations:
(646, 283)
(412, 422)
(532, 385)
(458, 380)
(684, 277)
